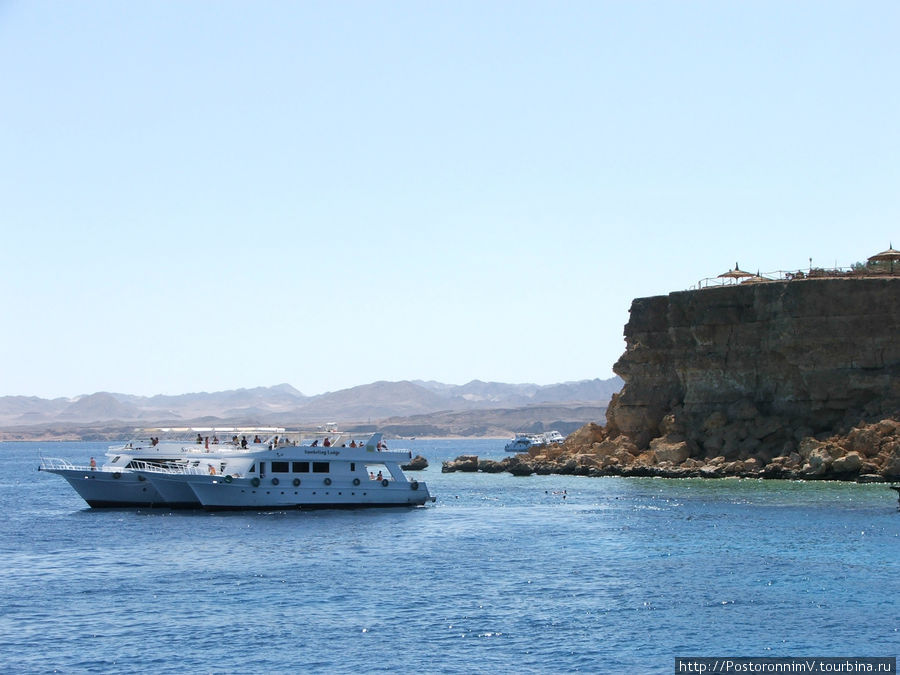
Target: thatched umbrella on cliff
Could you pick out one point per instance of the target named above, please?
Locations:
(754, 278)
(736, 273)
(886, 256)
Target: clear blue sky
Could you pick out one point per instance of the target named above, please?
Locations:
(197, 196)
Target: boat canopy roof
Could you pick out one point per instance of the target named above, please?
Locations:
(200, 430)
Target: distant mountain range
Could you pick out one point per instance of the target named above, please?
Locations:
(283, 405)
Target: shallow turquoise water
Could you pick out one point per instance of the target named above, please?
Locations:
(537, 574)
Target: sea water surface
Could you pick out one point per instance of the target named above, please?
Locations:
(501, 574)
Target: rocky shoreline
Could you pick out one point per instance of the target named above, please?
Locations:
(869, 453)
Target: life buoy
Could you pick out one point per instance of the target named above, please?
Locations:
(296, 482)
(117, 475)
(228, 478)
(274, 481)
(327, 481)
(141, 478)
(384, 481)
(414, 485)
(254, 482)
(356, 481)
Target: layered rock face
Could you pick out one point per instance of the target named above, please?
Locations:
(753, 369)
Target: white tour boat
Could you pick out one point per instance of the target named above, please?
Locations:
(553, 437)
(116, 482)
(523, 442)
(296, 476)
(243, 474)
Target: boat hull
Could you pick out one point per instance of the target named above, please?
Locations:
(241, 494)
(112, 489)
(176, 492)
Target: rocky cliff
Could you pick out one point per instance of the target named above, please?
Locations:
(777, 379)
(759, 372)
(754, 368)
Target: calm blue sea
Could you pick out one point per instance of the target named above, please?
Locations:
(502, 574)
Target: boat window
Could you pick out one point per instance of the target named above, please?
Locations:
(300, 467)
(279, 467)
(252, 468)
(262, 468)
(116, 459)
(320, 467)
(352, 466)
(374, 469)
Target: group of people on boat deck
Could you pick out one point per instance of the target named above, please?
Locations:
(372, 476)
(201, 440)
(276, 442)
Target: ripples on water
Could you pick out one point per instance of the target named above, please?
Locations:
(501, 574)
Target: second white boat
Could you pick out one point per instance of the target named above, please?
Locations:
(294, 476)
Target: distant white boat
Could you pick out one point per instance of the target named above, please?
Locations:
(523, 442)
(554, 437)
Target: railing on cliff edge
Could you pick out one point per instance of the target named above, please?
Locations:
(795, 275)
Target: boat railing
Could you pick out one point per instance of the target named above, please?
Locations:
(168, 468)
(786, 275)
(227, 447)
(207, 445)
(56, 463)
